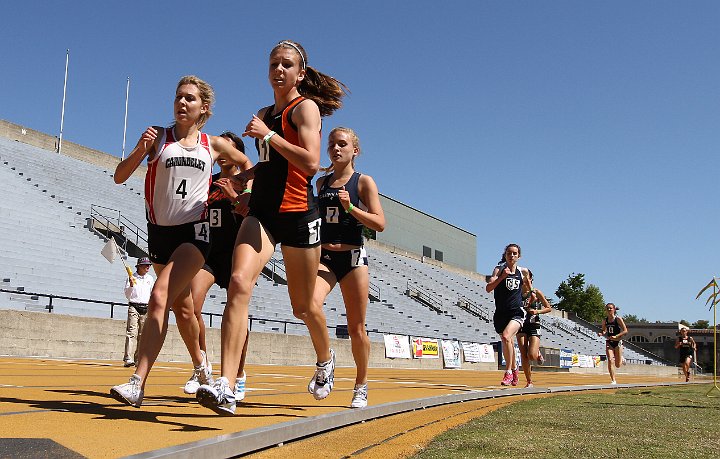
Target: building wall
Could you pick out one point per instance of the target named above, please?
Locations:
(650, 333)
(410, 229)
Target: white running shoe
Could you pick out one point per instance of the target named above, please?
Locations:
(202, 374)
(130, 393)
(322, 382)
(613, 382)
(217, 397)
(240, 388)
(360, 396)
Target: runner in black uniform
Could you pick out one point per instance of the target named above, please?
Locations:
(687, 347)
(282, 211)
(348, 200)
(614, 327)
(224, 202)
(505, 282)
(528, 337)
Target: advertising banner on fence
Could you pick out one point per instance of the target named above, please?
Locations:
(566, 358)
(397, 347)
(487, 353)
(451, 354)
(425, 348)
(576, 360)
(517, 356)
(586, 361)
(471, 352)
(476, 352)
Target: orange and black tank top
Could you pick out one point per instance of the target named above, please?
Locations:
(279, 186)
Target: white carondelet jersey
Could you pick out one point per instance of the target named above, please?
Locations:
(178, 180)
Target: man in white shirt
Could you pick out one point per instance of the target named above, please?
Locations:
(137, 292)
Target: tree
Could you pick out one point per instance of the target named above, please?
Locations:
(633, 319)
(685, 322)
(586, 302)
(702, 324)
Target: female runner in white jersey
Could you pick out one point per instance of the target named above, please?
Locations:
(180, 161)
(348, 201)
(282, 211)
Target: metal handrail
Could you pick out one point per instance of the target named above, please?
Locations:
(127, 228)
(210, 315)
(472, 307)
(427, 298)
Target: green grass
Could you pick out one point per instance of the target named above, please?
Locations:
(662, 422)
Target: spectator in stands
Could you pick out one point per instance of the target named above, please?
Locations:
(614, 328)
(506, 284)
(137, 291)
(528, 337)
(180, 160)
(348, 200)
(223, 201)
(687, 347)
(282, 211)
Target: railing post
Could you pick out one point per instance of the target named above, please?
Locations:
(50, 305)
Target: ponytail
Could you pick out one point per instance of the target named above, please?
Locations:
(324, 90)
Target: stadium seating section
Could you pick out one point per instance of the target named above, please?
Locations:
(48, 247)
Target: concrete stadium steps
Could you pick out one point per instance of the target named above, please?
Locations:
(47, 248)
(78, 184)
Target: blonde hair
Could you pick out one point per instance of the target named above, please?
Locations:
(324, 90)
(207, 95)
(355, 141)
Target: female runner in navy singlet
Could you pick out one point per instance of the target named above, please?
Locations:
(506, 284)
(283, 210)
(687, 347)
(614, 327)
(348, 201)
(180, 160)
(528, 338)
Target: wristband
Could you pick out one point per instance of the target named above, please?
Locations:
(237, 201)
(350, 209)
(266, 139)
(246, 191)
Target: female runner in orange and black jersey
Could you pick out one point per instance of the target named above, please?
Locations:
(282, 210)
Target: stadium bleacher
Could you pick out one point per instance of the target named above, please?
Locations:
(49, 248)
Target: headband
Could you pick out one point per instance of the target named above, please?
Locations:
(294, 46)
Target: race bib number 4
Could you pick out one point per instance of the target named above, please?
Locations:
(181, 185)
(202, 232)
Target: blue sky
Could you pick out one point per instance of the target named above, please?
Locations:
(587, 132)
